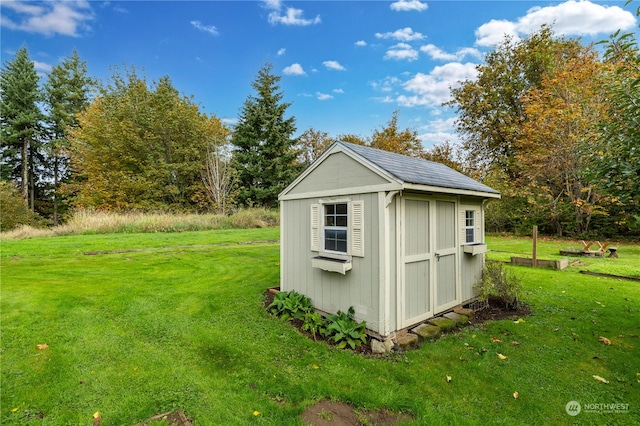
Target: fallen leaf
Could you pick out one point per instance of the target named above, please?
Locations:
(514, 343)
(315, 367)
(42, 346)
(604, 340)
(14, 410)
(516, 395)
(97, 418)
(556, 329)
(502, 356)
(256, 413)
(448, 379)
(473, 336)
(519, 320)
(601, 379)
(496, 340)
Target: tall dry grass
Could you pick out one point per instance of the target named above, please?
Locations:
(91, 222)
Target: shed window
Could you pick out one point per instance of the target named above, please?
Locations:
(336, 227)
(470, 226)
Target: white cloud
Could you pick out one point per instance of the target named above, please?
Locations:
(204, 28)
(407, 5)
(42, 67)
(360, 43)
(571, 18)
(48, 18)
(438, 131)
(334, 65)
(281, 51)
(494, 31)
(404, 34)
(294, 69)
(386, 85)
(401, 52)
(338, 91)
(434, 88)
(229, 121)
(292, 16)
(323, 96)
(436, 53)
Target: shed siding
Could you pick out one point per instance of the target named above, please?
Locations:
(330, 291)
(471, 266)
(337, 171)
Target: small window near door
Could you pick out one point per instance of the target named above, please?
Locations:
(336, 227)
(470, 226)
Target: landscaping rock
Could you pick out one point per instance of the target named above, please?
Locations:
(457, 318)
(389, 345)
(444, 323)
(378, 347)
(407, 340)
(464, 311)
(427, 331)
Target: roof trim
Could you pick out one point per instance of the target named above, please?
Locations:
(452, 191)
(395, 183)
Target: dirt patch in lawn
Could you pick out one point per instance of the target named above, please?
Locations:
(171, 418)
(496, 310)
(338, 413)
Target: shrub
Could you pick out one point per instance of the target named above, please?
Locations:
(344, 330)
(498, 282)
(13, 209)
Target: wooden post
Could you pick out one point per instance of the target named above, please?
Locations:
(535, 245)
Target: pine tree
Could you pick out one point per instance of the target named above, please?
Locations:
(265, 157)
(66, 94)
(19, 121)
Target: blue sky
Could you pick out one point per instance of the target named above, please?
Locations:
(345, 65)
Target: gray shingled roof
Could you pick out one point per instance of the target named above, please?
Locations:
(416, 170)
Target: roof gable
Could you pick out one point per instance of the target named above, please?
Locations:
(417, 170)
(393, 171)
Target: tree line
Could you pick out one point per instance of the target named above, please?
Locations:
(551, 123)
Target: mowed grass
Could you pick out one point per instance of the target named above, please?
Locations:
(150, 323)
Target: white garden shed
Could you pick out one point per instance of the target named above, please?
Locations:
(399, 238)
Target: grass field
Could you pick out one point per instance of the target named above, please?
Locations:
(140, 324)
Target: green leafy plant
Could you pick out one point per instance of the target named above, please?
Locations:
(498, 282)
(313, 323)
(290, 305)
(344, 330)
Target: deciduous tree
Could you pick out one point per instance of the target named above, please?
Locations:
(554, 142)
(66, 94)
(392, 139)
(140, 148)
(615, 160)
(312, 144)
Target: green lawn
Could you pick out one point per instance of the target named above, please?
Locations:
(158, 322)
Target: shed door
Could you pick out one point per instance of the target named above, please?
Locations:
(446, 287)
(417, 256)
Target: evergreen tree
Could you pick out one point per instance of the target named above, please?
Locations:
(19, 122)
(265, 157)
(66, 94)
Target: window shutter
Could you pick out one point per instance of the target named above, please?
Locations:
(357, 228)
(478, 236)
(315, 227)
(463, 225)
